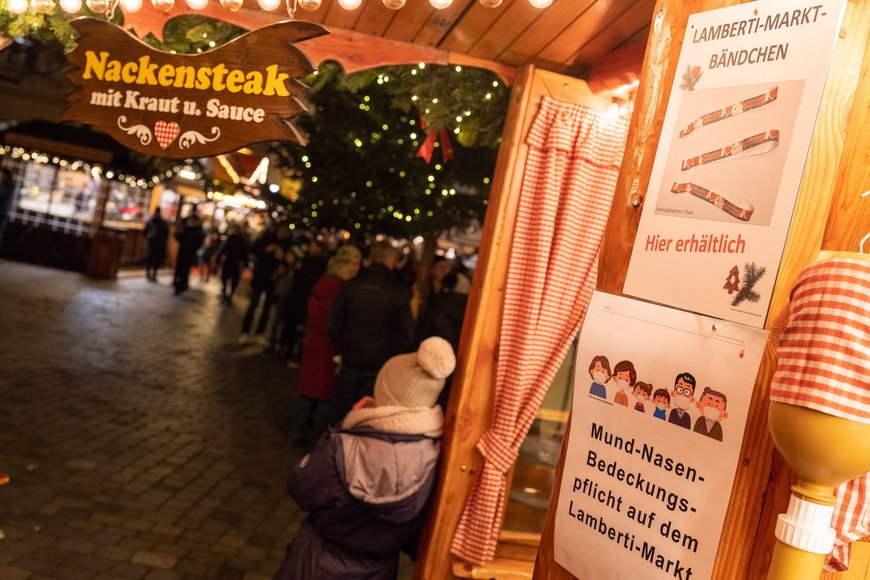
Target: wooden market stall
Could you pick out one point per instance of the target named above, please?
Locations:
(72, 197)
(536, 51)
(572, 37)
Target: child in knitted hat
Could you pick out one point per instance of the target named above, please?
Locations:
(367, 483)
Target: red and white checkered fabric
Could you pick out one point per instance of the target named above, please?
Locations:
(567, 189)
(165, 133)
(823, 364)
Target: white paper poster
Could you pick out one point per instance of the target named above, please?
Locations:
(660, 405)
(732, 151)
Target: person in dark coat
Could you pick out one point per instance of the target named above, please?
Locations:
(156, 233)
(366, 485)
(443, 317)
(370, 322)
(232, 256)
(7, 197)
(268, 252)
(315, 385)
(189, 235)
(444, 313)
(295, 309)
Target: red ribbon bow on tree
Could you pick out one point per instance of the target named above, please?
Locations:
(428, 147)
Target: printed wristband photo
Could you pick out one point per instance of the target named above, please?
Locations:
(737, 208)
(731, 110)
(745, 146)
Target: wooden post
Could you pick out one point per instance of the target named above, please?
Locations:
(838, 155)
(469, 410)
(100, 206)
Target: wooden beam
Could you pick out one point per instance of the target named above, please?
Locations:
(440, 23)
(469, 411)
(47, 145)
(471, 396)
(629, 23)
(850, 213)
(498, 568)
(354, 51)
(557, 17)
(622, 67)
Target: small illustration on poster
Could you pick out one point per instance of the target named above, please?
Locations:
(727, 159)
(599, 370)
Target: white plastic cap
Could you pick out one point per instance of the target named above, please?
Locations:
(807, 526)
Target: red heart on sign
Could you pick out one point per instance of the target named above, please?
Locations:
(166, 133)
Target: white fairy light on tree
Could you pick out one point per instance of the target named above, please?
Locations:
(130, 6)
(71, 6)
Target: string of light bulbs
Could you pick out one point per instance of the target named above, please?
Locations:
(108, 7)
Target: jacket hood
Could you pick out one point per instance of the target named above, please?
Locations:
(390, 474)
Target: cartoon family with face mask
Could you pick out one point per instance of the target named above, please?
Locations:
(642, 396)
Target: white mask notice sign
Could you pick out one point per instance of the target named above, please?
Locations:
(644, 490)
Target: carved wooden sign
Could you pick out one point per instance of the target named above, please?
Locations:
(187, 106)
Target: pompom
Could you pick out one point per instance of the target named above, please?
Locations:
(435, 356)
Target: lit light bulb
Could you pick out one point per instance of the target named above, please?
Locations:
(131, 6)
(98, 6)
(440, 4)
(17, 6)
(349, 4)
(197, 4)
(540, 3)
(310, 5)
(70, 6)
(490, 3)
(269, 5)
(394, 4)
(165, 5)
(232, 5)
(42, 6)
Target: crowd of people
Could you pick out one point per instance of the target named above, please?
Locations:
(371, 383)
(337, 312)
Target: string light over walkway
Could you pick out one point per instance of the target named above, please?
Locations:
(108, 6)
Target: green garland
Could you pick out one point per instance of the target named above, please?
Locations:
(190, 34)
(46, 28)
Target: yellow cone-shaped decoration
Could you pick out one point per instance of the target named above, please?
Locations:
(824, 451)
(818, 415)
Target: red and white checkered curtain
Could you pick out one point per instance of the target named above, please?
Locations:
(823, 364)
(567, 189)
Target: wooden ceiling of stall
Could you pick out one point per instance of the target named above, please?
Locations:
(571, 36)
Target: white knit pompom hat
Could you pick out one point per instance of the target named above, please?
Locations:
(415, 379)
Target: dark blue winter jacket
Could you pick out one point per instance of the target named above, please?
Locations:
(366, 491)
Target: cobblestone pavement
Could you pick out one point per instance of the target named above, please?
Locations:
(142, 442)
